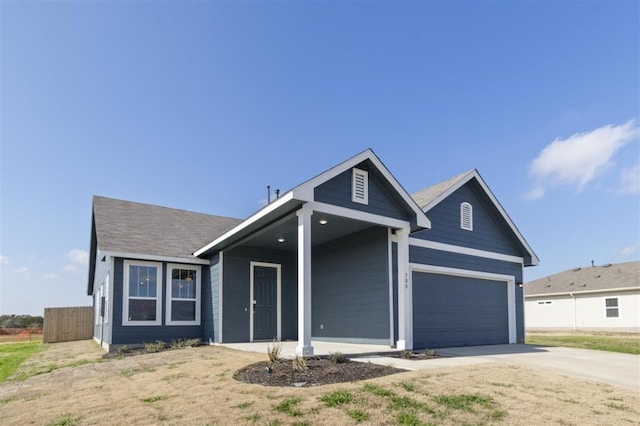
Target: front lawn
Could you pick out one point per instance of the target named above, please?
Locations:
(14, 354)
(612, 342)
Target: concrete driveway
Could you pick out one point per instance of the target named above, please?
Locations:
(606, 367)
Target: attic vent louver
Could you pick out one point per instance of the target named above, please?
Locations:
(360, 186)
(466, 216)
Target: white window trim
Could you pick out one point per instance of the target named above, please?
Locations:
(607, 308)
(125, 294)
(465, 205)
(107, 287)
(364, 175)
(96, 302)
(198, 300)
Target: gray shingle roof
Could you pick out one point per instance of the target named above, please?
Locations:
(124, 226)
(427, 195)
(588, 278)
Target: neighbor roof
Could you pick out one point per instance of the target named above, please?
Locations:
(127, 227)
(587, 279)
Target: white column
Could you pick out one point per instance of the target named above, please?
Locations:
(304, 347)
(405, 300)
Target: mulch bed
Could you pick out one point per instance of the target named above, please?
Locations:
(321, 371)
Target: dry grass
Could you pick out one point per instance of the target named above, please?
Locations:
(195, 387)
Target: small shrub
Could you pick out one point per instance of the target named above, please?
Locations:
(124, 349)
(336, 398)
(184, 343)
(406, 354)
(337, 357)
(154, 347)
(430, 352)
(299, 364)
(273, 352)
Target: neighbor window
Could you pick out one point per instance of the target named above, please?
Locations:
(611, 307)
(360, 186)
(183, 295)
(466, 216)
(142, 293)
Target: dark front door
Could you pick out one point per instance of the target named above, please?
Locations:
(265, 282)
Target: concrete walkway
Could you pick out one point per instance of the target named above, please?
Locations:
(607, 367)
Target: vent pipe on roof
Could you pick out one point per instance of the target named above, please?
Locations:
(277, 193)
(268, 194)
(593, 265)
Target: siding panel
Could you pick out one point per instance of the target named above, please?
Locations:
(350, 288)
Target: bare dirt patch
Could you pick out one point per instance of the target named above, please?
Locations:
(196, 387)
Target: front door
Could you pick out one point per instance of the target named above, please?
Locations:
(265, 302)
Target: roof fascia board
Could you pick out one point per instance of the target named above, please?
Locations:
(417, 242)
(250, 221)
(305, 190)
(569, 293)
(140, 256)
(474, 174)
(358, 215)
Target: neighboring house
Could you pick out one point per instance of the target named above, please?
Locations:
(604, 297)
(346, 256)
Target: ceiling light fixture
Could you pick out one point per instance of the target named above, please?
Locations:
(323, 221)
(281, 240)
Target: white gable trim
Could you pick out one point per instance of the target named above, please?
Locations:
(305, 191)
(251, 220)
(466, 178)
(417, 242)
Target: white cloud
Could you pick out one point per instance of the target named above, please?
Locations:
(628, 250)
(23, 272)
(70, 267)
(630, 180)
(579, 159)
(80, 257)
(50, 276)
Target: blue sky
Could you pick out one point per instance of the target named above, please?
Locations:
(199, 105)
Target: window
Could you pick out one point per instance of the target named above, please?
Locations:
(183, 295)
(611, 307)
(360, 186)
(142, 293)
(466, 216)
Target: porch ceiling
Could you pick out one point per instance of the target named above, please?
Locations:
(287, 229)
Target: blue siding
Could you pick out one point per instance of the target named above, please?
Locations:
(490, 232)
(473, 263)
(350, 288)
(382, 199)
(138, 335)
(236, 291)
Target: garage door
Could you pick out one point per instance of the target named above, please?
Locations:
(458, 311)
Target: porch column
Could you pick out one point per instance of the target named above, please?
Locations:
(304, 347)
(405, 299)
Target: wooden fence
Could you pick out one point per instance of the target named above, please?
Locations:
(67, 324)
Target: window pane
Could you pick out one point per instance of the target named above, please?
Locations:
(183, 284)
(611, 303)
(142, 310)
(183, 310)
(612, 312)
(142, 281)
